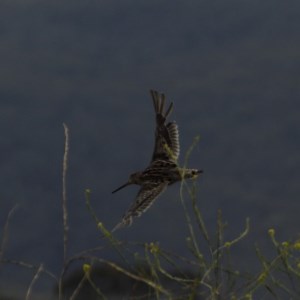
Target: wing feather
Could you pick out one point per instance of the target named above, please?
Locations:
(174, 138)
(167, 145)
(144, 199)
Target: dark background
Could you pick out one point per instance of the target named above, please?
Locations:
(232, 69)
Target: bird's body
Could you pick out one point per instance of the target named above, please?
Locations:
(163, 169)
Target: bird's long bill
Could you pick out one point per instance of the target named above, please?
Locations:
(121, 187)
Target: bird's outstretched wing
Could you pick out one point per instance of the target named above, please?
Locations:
(166, 135)
(144, 199)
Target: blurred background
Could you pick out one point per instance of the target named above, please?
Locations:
(232, 69)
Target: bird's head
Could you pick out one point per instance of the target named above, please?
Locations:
(133, 179)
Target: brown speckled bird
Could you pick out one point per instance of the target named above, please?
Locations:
(163, 169)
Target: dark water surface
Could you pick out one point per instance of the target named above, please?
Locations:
(230, 67)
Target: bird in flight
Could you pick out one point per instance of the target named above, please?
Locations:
(163, 169)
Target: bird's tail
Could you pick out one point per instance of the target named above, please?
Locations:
(191, 173)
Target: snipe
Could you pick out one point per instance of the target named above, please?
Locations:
(163, 169)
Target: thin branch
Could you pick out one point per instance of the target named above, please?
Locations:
(64, 205)
(64, 191)
(24, 264)
(5, 231)
(35, 278)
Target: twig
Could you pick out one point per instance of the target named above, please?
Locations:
(35, 278)
(64, 191)
(5, 231)
(64, 207)
(24, 264)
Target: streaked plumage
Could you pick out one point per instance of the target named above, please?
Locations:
(163, 169)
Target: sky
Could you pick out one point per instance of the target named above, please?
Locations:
(230, 67)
